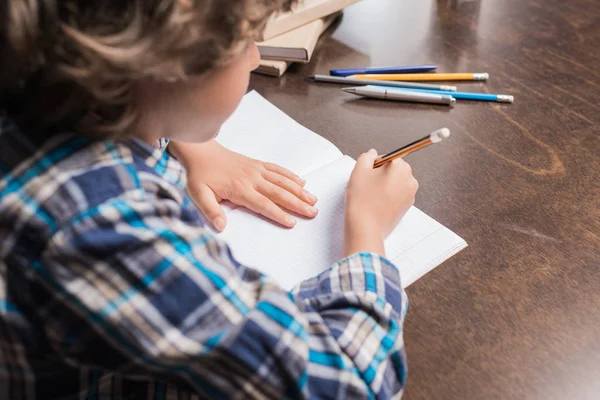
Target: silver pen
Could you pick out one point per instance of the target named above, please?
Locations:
(356, 81)
(378, 92)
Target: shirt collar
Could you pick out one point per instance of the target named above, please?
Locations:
(161, 162)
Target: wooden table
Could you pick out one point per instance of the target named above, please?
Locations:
(516, 315)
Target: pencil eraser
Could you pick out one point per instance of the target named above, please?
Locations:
(439, 135)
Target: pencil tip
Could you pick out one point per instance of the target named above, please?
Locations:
(310, 78)
(349, 90)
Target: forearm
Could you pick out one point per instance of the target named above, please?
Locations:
(338, 336)
(322, 343)
(176, 306)
(362, 306)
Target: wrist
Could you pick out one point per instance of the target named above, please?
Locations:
(362, 235)
(357, 220)
(186, 153)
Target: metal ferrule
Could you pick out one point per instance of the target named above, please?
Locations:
(481, 77)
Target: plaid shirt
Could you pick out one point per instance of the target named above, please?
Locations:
(111, 288)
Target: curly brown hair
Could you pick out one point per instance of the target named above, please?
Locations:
(76, 63)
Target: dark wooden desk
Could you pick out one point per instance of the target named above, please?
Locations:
(517, 314)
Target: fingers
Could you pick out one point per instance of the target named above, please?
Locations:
(403, 171)
(260, 204)
(291, 187)
(206, 201)
(285, 172)
(287, 200)
(366, 160)
(401, 167)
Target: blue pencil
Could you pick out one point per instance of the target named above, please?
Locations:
(500, 98)
(384, 70)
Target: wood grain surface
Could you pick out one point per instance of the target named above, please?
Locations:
(517, 314)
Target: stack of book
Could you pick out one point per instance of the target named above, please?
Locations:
(291, 37)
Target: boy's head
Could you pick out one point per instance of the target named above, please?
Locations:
(174, 68)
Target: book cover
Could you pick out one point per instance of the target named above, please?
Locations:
(307, 11)
(278, 67)
(272, 67)
(298, 44)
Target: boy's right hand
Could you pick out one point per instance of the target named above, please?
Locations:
(376, 200)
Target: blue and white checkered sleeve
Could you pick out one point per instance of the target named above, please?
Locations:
(139, 288)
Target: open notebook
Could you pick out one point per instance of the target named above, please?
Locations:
(260, 130)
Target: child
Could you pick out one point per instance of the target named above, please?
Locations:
(110, 285)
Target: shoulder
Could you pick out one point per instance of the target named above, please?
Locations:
(50, 184)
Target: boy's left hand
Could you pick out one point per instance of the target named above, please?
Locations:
(216, 174)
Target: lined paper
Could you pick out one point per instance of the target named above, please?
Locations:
(260, 130)
(416, 246)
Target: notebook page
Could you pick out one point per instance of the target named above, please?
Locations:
(418, 243)
(422, 257)
(260, 130)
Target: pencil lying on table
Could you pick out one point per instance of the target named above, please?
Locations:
(433, 137)
(384, 70)
(470, 76)
(400, 84)
(499, 98)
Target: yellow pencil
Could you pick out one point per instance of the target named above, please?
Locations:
(433, 137)
(470, 76)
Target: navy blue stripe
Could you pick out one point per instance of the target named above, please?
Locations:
(15, 183)
(6, 306)
(133, 352)
(160, 391)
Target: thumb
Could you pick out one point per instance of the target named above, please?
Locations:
(366, 160)
(206, 201)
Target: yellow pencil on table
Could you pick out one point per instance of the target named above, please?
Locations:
(467, 76)
(433, 137)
